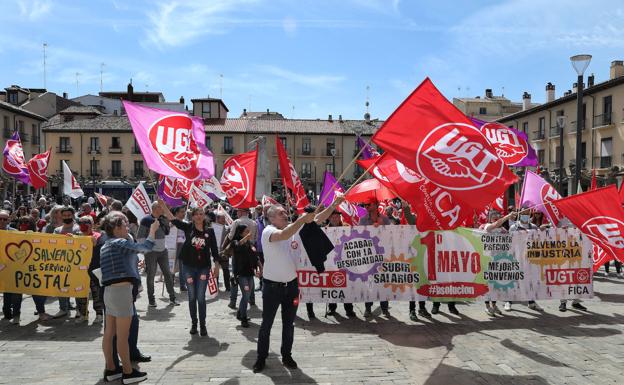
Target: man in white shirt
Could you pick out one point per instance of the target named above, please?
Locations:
(280, 286)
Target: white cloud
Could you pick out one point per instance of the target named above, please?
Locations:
(34, 9)
(320, 81)
(290, 26)
(179, 23)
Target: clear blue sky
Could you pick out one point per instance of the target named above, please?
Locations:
(316, 55)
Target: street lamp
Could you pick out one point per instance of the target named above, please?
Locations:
(580, 64)
(561, 120)
(333, 154)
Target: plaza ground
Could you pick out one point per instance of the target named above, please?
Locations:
(521, 347)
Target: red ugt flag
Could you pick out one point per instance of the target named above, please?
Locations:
(290, 178)
(434, 207)
(239, 179)
(432, 137)
(38, 169)
(596, 215)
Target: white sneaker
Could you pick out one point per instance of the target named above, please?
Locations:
(489, 310)
(496, 310)
(61, 314)
(535, 306)
(15, 320)
(507, 306)
(99, 318)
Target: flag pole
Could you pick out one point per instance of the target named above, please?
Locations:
(359, 179)
(344, 171)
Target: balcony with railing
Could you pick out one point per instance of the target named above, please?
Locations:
(603, 161)
(539, 135)
(306, 175)
(64, 149)
(573, 126)
(327, 152)
(603, 120)
(95, 173)
(114, 150)
(306, 152)
(24, 137)
(115, 172)
(554, 132)
(93, 149)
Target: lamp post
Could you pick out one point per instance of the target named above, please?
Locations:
(580, 64)
(560, 127)
(333, 154)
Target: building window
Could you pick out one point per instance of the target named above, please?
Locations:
(13, 97)
(6, 122)
(540, 156)
(482, 111)
(205, 108)
(606, 152)
(208, 144)
(94, 144)
(306, 170)
(525, 127)
(64, 145)
(228, 145)
(136, 149)
(94, 166)
(331, 145)
(116, 142)
(35, 134)
(116, 168)
(307, 146)
(607, 109)
(138, 168)
(284, 141)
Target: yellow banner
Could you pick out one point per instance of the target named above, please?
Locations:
(45, 264)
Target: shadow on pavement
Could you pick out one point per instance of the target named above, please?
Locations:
(445, 374)
(275, 370)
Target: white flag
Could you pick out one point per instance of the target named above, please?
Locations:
(198, 198)
(228, 218)
(139, 203)
(70, 185)
(212, 186)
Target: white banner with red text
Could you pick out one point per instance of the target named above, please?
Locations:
(397, 263)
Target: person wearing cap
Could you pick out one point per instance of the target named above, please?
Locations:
(496, 225)
(374, 218)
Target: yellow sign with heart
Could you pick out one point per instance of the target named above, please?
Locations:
(45, 264)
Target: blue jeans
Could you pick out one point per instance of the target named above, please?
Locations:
(197, 291)
(246, 285)
(234, 293)
(39, 303)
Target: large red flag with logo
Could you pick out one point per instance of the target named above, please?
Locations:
(239, 179)
(432, 137)
(435, 208)
(594, 213)
(291, 179)
(38, 169)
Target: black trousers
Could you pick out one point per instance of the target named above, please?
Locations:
(412, 305)
(274, 295)
(382, 304)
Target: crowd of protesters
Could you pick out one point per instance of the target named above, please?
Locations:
(247, 250)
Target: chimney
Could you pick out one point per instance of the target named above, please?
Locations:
(130, 91)
(617, 69)
(181, 99)
(244, 112)
(568, 92)
(574, 87)
(340, 118)
(65, 95)
(590, 81)
(550, 92)
(488, 93)
(526, 101)
(329, 118)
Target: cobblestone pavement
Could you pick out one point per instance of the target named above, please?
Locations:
(521, 347)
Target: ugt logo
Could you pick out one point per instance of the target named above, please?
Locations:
(456, 162)
(606, 229)
(172, 138)
(234, 182)
(508, 146)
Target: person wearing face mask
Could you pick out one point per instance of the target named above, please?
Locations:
(524, 224)
(69, 226)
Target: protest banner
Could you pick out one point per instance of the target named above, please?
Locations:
(45, 264)
(398, 263)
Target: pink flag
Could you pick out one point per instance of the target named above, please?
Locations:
(172, 143)
(538, 194)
